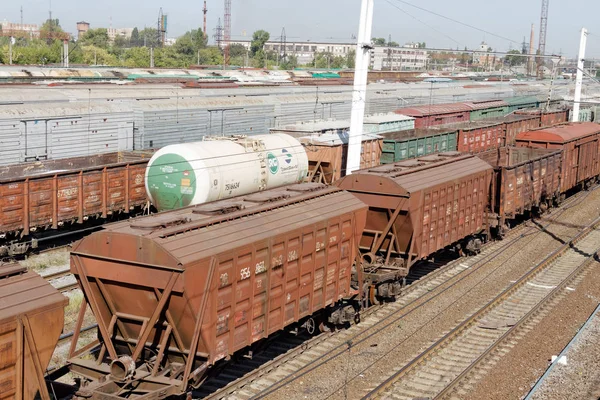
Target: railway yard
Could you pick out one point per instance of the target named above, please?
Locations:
(213, 240)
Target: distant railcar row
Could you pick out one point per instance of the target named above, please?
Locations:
(176, 292)
(37, 198)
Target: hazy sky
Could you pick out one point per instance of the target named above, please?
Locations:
(338, 19)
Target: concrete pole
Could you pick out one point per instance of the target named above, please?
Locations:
(359, 92)
(10, 39)
(151, 57)
(66, 54)
(579, 77)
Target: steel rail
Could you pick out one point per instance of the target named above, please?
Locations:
(455, 332)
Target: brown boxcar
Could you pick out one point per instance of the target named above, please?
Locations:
(437, 114)
(31, 320)
(212, 279)
(420, 206)
(327, 155)
(50, 194)
(580, 145)
(479, 136)
(524, 179)
(547, 118)
(515, 124)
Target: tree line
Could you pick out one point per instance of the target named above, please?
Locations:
(95, 47)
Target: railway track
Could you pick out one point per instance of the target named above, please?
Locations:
(423, 279)
(471, 347)
(274, 376)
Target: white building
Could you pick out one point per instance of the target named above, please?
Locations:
(406, 58)
(113, 33)
(304, 51)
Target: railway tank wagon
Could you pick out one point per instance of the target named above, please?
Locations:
(210, 280)
(194, 173)
(580, 146)
(417, 207)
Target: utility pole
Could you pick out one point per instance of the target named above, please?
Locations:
(530, 60)
(151, 57)
(66, 53)
(10, 39)
(390, 53)
(21, 17)
(359, 92)
(579, 78)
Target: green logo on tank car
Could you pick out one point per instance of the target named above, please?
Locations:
(273, 163)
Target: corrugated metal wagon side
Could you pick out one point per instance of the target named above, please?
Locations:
(420, 206)
(31, 320)
(479, 136)
(398, 146)
(50, 194)
(210, 280)
(525, 179)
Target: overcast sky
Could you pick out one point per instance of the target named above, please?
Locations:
(338, 19)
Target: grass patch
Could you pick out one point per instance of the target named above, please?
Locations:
(40, 262)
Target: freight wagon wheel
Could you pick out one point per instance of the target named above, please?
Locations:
(310, 325)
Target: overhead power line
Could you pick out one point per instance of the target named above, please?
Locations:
(458, 22)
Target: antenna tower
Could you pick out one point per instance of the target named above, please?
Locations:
(219, 34)
(204, 10)
(542, 45)
(227, 30)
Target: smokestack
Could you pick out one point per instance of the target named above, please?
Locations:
(530, 60)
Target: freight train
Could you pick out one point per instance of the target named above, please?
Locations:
(176, 292)
(41, 200)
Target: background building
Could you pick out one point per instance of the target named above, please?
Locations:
(304, 51)
(33, 29)
(406, 58)
(82, 28)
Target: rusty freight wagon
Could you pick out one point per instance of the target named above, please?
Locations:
(31, 320)
(437, 114)
(547, 118)
(515, 124)
(417, 207)
(525, 179)
(48, 195)
(580, 146)
(479, 136)
(328, 155)
(175, 292)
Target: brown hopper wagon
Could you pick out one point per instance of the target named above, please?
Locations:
(417, 207)
(175, 292)
(31, 320)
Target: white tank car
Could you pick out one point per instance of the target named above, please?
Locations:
(193, 173)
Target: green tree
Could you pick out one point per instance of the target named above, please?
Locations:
(237, 50)
(211, 56)
(514, 60)
(96, 37)
(351, 59)
(259, 59)
(121, 42)
(289, 63)
(393, 44)
(149, 37)
(259, 38)
(93, 55)
(50, 29)
(134, 40)
(378, 41)
(136, 57)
